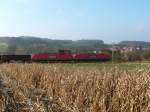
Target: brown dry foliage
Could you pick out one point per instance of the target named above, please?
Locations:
(53, 88)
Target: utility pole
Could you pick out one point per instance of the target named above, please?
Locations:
(112, 53)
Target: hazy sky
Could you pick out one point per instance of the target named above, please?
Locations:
(109, 20)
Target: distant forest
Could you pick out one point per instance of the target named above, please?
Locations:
(28, 45)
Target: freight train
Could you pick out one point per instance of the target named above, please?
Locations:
(61, 56)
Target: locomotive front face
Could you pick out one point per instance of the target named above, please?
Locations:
(39, 57)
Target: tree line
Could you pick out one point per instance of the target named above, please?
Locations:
(143, 55)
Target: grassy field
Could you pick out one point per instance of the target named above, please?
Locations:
(94, 87)
(3, 47)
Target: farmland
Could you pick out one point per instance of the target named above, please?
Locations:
(83, 87)
(3, 47)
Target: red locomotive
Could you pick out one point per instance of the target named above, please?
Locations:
(66, 56)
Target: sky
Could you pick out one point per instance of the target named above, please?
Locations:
(108, 20)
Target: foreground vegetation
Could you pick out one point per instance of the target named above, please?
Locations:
(75, 87)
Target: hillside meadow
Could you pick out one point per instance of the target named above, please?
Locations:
(75, 87)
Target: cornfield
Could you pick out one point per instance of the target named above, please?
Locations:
(74, 88)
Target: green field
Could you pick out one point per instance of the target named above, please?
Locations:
(3, 47)
(108, 66)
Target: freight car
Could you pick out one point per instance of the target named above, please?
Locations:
(62, 56)
(9, 58)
